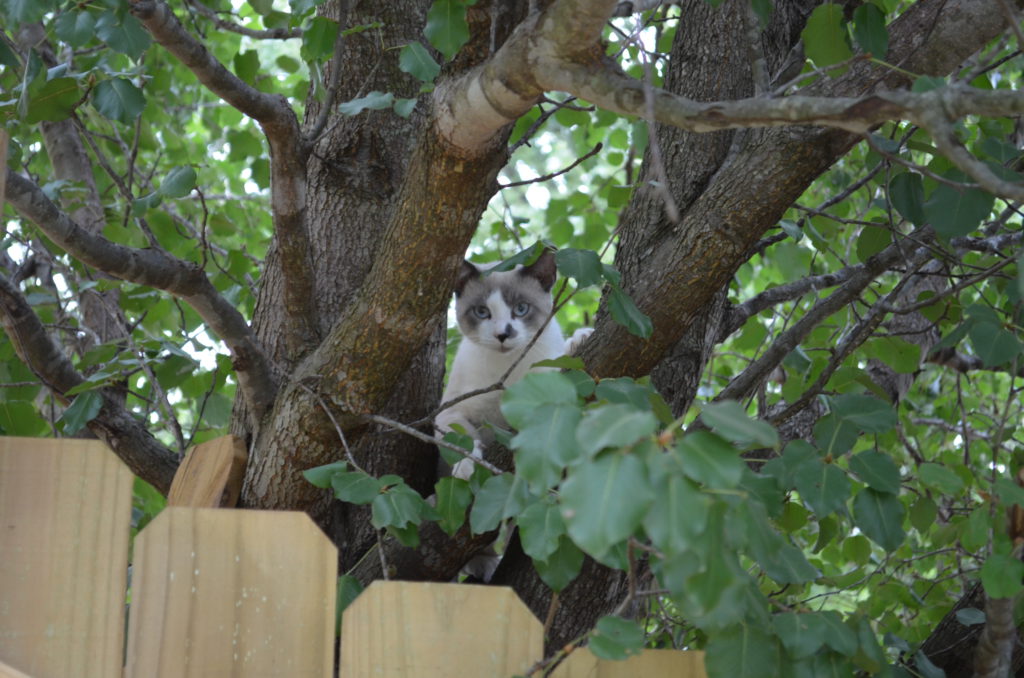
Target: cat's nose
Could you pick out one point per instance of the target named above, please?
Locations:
(505, 334)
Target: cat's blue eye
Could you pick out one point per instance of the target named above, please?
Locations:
(481, 312)
(521, 309)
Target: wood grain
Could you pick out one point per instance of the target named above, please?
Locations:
(421, 630)
(221, 592)
(211, 475)
(65, 510)
(679, 664)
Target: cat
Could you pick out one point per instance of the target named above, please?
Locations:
(499, 314)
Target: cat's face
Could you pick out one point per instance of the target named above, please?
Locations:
(502, 311)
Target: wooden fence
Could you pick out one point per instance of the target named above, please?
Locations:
(222, 592)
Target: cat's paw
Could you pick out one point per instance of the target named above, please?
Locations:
(464, 468)
(574, 342)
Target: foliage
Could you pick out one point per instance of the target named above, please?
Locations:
(834, 552)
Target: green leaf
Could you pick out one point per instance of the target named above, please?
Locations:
(123, 33)
(565, 362)
(415, 60)
(746, 650)
(877, 470)
(300, 7)
(940, 478)
(1010, 492)
(320, 476)
(318, 41)
(562, 566)
(780, 560)
(906, 193)
(824, 486)
(1001, 575)
(583, 266)
(926, 668)
(82, 410)
(536, 389)
(970, 616)
(899, 354)
(446, 27)
(837, 634)
(801, 634)
(404, 107)
(604, 501)
(879, 515)
(547, 445)
(869, 30)
(825, 36)
(866, 413)
(679, 518)
(355, 487)
(626, 313)
(710, 460)
(247, 65)
(349, 589)
(730, 420)
(26, 11)
(75, 28)
(625, 391)
(399, 506)
(994, 344)
(522, 258)
(119, 100)
(374, 101)
(53, 101)
(500, 497)
(540, 528)
(955, 212)
(922, 514)
(857, 549)
(178, 183)
(453, 498)
(612, 427)
(616, 638)
(871, 241)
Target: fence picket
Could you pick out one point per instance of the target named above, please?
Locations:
(583, 664)
(65, 508)
(419, 630)
(221, 592)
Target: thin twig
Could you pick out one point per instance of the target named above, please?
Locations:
(547, 177)
(415, 433)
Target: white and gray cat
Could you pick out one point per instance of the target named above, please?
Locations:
(499, 314)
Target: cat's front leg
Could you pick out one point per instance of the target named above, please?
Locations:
(445, 423)
(573, 343)
(464, 467)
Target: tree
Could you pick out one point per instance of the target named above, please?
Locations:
(814, 209)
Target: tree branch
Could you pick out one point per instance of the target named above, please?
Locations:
(613, 90)
(155, 269)
(859, 278)
(719, 228)
(167, 31)
(288, 154)
(270, 34)
(146, 457)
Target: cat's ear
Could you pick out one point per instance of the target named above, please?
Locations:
(544, 270)
(466, 273)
